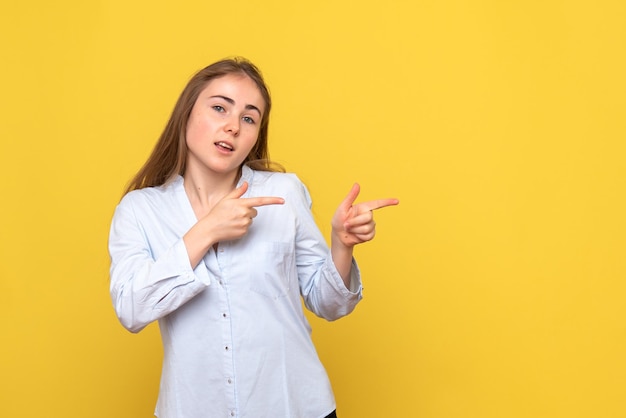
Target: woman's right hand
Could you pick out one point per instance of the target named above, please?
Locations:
(229, 219)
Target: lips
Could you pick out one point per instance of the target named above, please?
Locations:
(224, 146)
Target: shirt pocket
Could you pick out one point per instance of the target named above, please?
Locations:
(273, 269)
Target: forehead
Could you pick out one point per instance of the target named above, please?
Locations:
(238, 87)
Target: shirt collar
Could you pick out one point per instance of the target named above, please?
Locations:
(246, 175)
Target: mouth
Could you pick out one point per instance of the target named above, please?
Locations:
(224, 146)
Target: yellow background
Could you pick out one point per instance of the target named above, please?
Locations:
(497, 287)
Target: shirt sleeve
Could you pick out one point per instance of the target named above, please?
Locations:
(143, 287)
(321, 285)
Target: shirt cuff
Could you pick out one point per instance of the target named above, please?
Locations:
(356, 287)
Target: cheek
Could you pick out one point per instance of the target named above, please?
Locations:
(195, 129)
(252, 139)
(252, 133)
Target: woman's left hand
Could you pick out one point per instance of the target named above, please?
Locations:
(354, 224)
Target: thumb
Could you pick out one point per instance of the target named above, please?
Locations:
(238, 192)
(351, 197)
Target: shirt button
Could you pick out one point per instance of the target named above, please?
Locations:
(224, 315)
(226, 348)
(232, 413)
(230, 381)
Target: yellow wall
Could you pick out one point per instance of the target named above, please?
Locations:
(496, 289)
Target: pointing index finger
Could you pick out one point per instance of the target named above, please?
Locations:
(263, 201)
(378, 204)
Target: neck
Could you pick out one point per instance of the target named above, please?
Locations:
(205, 190)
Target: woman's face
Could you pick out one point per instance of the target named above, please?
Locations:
(224, 125)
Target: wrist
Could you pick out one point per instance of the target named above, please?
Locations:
(340, 247)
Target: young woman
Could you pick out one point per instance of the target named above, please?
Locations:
(218, 245)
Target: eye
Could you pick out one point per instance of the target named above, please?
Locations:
(249, 120)
(218, 108)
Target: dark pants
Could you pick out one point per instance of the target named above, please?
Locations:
(332, 415)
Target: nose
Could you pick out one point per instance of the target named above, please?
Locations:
(232, 126)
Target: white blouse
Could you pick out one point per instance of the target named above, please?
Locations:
(235, 338)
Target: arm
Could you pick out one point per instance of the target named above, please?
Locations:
(151, 275)
(153, 269)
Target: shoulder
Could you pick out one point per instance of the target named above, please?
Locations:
(275, 178)
(157, 195)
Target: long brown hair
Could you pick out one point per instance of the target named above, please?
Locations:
(169, 156)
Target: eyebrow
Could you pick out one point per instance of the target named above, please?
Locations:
(232, 102)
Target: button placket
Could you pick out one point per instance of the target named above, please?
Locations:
(222, 256)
